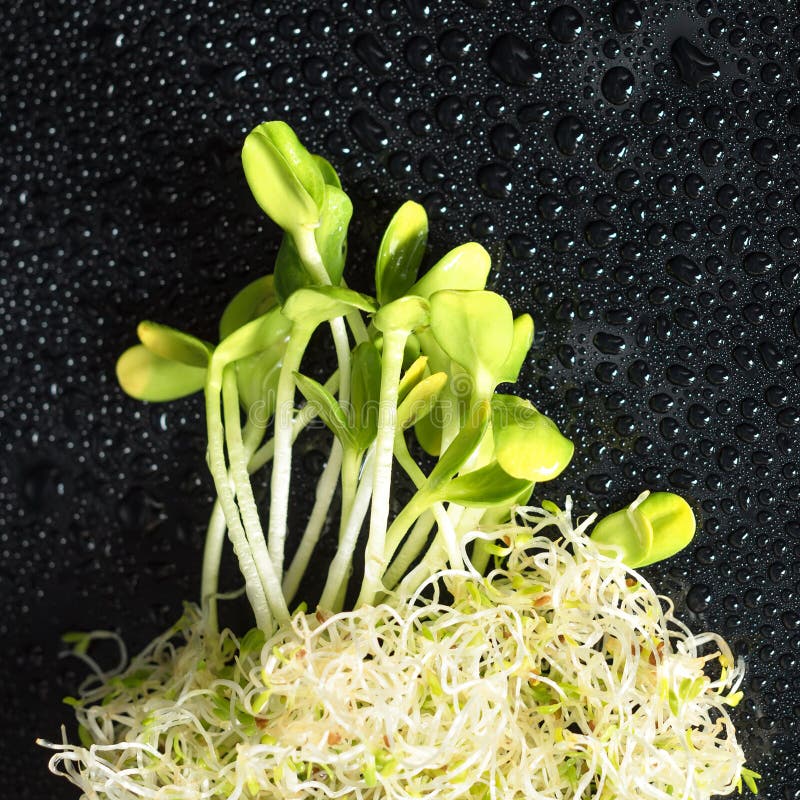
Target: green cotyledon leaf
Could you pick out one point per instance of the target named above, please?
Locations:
(465, 267)
(283, 176)
(476, 330)
(654, 527)
(146, 376)
(365, 388)
(400, 252)
(311, 306)
(527, 444)
(484, 488)
(174, 345)
(255, 299)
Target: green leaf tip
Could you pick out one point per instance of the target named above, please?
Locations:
(174, 345)
(527, 444)
(652, 528)
(283, 176)
(400, 252)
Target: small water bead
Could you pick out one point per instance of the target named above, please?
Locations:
(662, 146)
(628, 180)
(495, 180)
(550, 207)
(611, 48)
(369, 131)
(617, 85)
(534, 113)
(699, 598)
(450, 113)
(758, 263)
(565, 24)
(771, 73)
(521, 247)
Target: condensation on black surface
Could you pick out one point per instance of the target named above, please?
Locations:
(632, 167)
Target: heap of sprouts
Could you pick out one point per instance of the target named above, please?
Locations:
(491, 649)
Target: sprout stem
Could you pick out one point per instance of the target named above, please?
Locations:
(339, 570)
(326, 489)
(282, 461)
(244, 493)
(215, 539)
(216, 464)
(375, 556)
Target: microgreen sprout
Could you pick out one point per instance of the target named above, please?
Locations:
(554, 669)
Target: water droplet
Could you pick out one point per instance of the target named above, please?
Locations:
(758, 263)
(454, 45)
(612, 152)
(694, 66)
(513, 61)
(600, 234)
(685, 270)
(565, 24)
(680, 375)
(371, 52)
(369, 131)
(608, 343)
(765, 151)
(495, 180)
(568, 134)
(617, 85)
(712, 152)
(420, 53)
(550, 207)
(626, 16)
(505, 140)
(699, 598)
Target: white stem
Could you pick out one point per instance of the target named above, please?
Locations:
(339, 570)
(312, 260)
(326, 488)
(449, 537)
(248, 509)
(434, 559)
(282, 461)
(374, 556)
(212, 557)
(215, 540)
(219, 472)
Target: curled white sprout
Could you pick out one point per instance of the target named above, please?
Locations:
(561, 674)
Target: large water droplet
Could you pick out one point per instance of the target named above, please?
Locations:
(569, 133)
(626, 16)
(694, 66)
(617, 85)
(512, 60)
(565, 23)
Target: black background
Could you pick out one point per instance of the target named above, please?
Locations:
(639, 197)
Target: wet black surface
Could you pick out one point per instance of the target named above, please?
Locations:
(634, 168)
